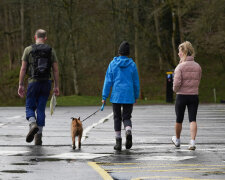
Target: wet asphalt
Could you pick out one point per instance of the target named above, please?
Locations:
(152, 156)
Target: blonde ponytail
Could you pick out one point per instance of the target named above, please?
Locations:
(187, 48)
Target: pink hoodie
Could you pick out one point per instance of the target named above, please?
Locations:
(187, 77)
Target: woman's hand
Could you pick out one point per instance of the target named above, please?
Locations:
(103, 102)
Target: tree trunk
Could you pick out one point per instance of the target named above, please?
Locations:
(157, 36)
(7, 35)
(22, 24)
(180, 22)
(136, 39)
(222, 61)
(115, 30)
(75, 57)
(74, 49)
(173, 32)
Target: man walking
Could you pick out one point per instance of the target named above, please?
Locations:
(38, 60)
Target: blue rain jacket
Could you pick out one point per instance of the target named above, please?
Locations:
(122, 77)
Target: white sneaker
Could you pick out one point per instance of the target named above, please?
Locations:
(191, 146)
(175, 141)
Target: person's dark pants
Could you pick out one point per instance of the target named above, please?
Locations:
(124, 115)
(191, 101)
(37, 96)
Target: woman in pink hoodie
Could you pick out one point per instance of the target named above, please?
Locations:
(187, 77)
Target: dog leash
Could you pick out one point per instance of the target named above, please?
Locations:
(102, 108)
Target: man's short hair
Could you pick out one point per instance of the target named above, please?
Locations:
(41, 33)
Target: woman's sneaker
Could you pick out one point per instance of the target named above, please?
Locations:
(192, 146)
(175, 141)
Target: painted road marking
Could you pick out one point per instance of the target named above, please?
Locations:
(173, 148)
(2, 125)
(10, 153)
(77, 156)
(167, 170)
(168, 177)
(141, 165)
(14, 117)
(165, 158)
(106, 168)
(100, 170)
(86, 130)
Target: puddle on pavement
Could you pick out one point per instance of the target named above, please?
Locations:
(21, 164)
(14, 171)
(46, 159)
(214, 173)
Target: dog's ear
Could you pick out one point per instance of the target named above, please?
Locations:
(79, 118)
(72, 118)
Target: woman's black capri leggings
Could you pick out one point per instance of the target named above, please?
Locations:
(191, 101)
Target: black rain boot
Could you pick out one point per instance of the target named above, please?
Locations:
(33, 130)
(128, 143)
(38, 139)
(118, 145)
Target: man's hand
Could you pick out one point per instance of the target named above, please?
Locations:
(21, 91)
(56, 78)
(56, 91)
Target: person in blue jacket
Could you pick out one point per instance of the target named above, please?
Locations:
(122, 78)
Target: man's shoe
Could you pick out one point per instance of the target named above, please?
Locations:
(118, 145)
(33, 130)
(175, 141)
(38, 139)
(128, 143)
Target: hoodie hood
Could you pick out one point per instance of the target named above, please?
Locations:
(122, 61)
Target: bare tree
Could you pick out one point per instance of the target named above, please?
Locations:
(7, 34)
(173, 14)
(156, 21)
(179, 14)
(136, 38)
(22, 23)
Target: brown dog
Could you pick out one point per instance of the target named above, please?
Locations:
(76, 130)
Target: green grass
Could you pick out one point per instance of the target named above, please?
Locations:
(78, 101)
(94, 101)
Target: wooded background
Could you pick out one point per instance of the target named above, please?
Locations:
(86, 35)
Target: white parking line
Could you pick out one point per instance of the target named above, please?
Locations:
(165, 158)
(77, 156)
(2, 125)
(14, 117)
(86, 130)
(10, 153)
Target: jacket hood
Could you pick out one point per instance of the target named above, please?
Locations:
(122, 61)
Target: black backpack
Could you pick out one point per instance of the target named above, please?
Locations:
(40, 67)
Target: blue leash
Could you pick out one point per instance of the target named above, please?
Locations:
(102, 108)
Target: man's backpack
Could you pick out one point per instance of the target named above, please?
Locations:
(40, 67)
